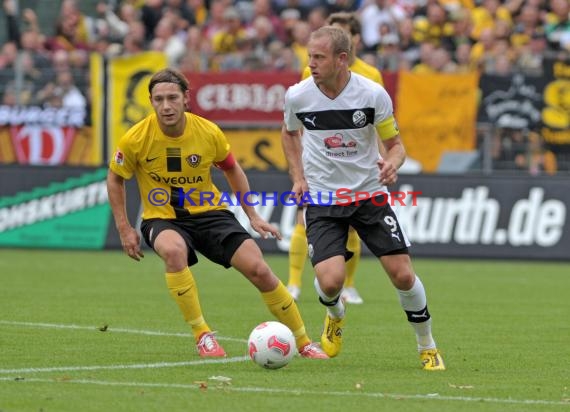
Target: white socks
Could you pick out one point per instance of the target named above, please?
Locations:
(414, 303)
(335, 307)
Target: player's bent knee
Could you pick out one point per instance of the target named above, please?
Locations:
(331, 290)
(256, 270)
(261, 269)
(403, 279)
(174, 255)
(331, 285)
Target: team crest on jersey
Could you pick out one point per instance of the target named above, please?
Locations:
(359, 118)
(119, 157)
(194, 160)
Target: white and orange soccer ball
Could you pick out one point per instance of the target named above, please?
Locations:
(271, 345)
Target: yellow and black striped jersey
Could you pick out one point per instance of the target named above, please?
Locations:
(173, 174)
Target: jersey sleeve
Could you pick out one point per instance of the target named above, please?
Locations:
(388, 128)
(123, 161)
(222, 146)
(289, 116)
(384, 120)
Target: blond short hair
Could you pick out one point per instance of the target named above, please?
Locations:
(340, 40)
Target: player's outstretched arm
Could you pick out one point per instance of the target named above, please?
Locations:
(239, 184)
(130, 239)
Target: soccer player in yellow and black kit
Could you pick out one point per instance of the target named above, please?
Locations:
(298, 248)
(171, 153)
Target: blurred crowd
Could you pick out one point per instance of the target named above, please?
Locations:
(424, 36)
(491, 36)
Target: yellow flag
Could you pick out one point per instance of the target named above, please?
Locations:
(258, 149)
(436, 113)
(128, 97)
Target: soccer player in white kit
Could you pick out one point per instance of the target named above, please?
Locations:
(338, 113)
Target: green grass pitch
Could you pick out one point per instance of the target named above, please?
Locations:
(96, 331)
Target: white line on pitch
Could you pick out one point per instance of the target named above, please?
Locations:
(109, 329)
(127, 366)
(225, 388)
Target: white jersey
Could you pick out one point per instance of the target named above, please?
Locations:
(340, 144)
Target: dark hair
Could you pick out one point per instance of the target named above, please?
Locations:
(345, 18)
(169, 76)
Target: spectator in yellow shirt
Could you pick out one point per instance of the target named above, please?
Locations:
(487, 14)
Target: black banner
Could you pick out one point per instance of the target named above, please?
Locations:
(539, 104)
(513, 102)
(444, 216)
(452, 216)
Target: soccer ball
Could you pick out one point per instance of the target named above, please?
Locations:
(271, 345)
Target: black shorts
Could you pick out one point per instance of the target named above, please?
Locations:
(377, 226)
(216, 234)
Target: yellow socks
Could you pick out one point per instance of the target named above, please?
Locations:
(353, 244)
(283, 306)
(185, 292)
(297, 255)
